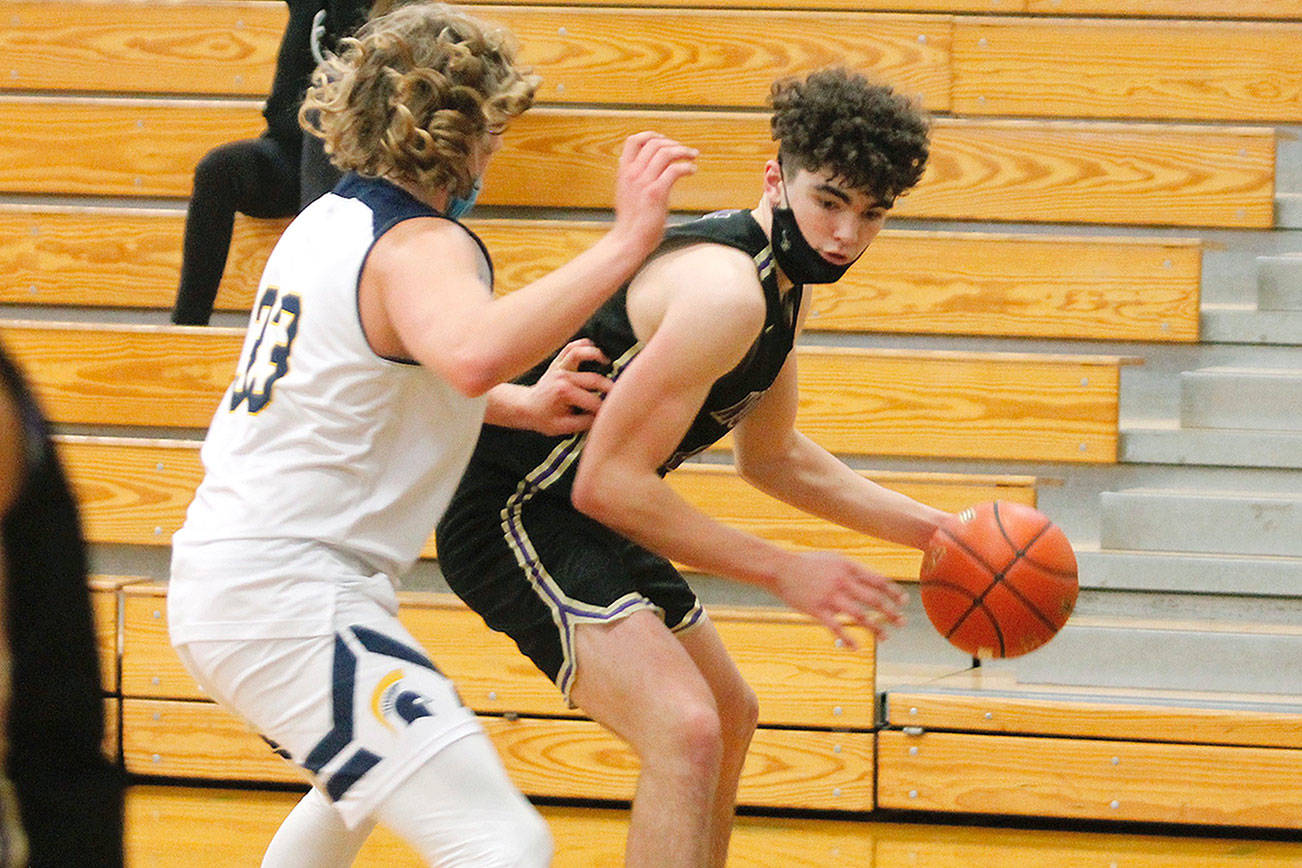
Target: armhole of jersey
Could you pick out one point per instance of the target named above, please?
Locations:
(357, 290)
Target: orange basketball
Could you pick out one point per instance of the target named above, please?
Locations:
(999, 580)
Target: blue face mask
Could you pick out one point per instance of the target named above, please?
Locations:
(458, 206)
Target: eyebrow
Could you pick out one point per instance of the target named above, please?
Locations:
(834, 191)
(838, 193)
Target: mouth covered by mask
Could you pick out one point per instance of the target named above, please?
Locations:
(798, 260)
(459, 206)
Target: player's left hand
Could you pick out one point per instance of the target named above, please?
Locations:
(565, 399)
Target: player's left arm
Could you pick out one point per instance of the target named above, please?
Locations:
(776, 458)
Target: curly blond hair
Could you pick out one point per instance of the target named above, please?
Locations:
(413, 96)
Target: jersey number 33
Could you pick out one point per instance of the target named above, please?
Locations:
(266, 359)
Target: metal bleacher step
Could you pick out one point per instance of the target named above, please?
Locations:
(1225, 522)
(1165, 441)
(1188, 573)
(1242, 397)
(1168, 655)
(1279, 282)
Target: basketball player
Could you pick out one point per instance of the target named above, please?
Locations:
(562, 542)
(69, 796)
(354, 408)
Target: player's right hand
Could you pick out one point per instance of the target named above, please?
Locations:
(649, 167)
(835, 589)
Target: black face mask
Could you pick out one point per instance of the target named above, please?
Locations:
(798, 261)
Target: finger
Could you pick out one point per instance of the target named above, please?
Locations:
(865, 603)
(590, 381)
(577, 353)
(633, 146)
(646, 145)
(839, 631)
(672, 162)
(582, 399)
(573, 424)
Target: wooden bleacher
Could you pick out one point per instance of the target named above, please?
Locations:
(1044, 171)
(921, 282)
(854, 400)
(814, 749)
(980, 741)
(1126, 114)
(135, 491)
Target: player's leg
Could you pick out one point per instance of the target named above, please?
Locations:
(738, 716)
(636, 678)
(315, 836)
(460, 810)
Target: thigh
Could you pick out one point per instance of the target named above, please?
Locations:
(267, 180)
(357, 710)
(635, 677)
(535, 571)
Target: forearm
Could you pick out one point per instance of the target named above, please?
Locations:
(518, 330)
(508, 406)
(644, 508)
(811, 479)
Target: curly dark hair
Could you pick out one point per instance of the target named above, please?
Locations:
(864, 133)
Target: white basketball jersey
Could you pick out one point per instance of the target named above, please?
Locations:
(323, 458)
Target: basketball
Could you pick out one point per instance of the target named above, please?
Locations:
(999, 579)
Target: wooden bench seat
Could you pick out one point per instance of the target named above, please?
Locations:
(207, 827)
(980, 742)
(920, 282)
(135, 491)
(814, 749)
(701, 56)
(546, 757)
(1220, 71)
(926, 403)
(1089, 779)
(792, 663)
(1043, 171)
(1107, 68)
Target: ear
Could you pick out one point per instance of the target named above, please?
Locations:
(773, 183)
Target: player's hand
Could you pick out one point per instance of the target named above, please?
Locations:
(565, 399)
(836, 590)
(649, 167)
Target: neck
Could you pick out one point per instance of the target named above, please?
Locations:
(436, 199)
(763, 214)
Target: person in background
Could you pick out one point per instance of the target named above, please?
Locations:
(260, 177)
(68, 795)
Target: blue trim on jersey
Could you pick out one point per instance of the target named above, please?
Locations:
(391, 205)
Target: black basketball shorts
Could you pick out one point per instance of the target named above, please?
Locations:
(534, 568)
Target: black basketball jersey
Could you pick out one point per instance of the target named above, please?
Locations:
(731, 396)
(70, 797)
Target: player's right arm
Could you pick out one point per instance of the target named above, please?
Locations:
(698, 312)
(428, 278)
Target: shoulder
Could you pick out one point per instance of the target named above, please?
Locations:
(435, 243)
(711, 289)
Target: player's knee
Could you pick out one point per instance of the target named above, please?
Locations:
(521, 840)
(740, 714)
(694, 732)
(531, 845)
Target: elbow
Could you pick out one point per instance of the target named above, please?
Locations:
(593, 496)
(471, 374)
